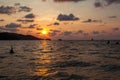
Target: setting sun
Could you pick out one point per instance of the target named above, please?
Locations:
(44, 32)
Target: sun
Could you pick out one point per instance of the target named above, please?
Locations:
(44, 32)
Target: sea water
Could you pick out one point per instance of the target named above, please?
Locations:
(60, 60)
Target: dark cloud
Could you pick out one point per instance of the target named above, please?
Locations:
(13, 30)
(112, 16)
(67, 33)
(39, 28)
(25, 21)
(64, 17)
(54, 32)
(96, 32)
(98, 4)
(109, 2)
(56, 23)
(13, 25)
(13, 9)
(68, 0)
(7, 10)
(17, 4)
(43, 0)
(31, 15)
(105, 3)
(115, 29)
(32, 26)
(2, 20)
(91, 20)
(8, 30)
(80, 32)
(24, 9)
(2, 28)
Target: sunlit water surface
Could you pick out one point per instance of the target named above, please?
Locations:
(60, 60)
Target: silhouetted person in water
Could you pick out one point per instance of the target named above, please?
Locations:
(117, 42)
(108, 42)
(11, 50)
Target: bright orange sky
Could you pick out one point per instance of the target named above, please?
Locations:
(66, 19)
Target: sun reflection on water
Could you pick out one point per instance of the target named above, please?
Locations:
(43, 67)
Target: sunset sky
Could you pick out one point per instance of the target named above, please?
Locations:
(66, 19)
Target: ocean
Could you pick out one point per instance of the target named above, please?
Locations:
(60, 60)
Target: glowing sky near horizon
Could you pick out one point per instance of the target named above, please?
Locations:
(67, 19)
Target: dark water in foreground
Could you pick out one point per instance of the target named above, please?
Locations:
(60, 60)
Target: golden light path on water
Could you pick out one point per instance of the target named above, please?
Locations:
(45, 60)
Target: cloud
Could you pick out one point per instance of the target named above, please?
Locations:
(8, 30)
(39, 28)
(115, 29)
(25, 21)
(32, 26)
(67, 33)
(7, 10)
(24, 9)
(13, 30)
(105, 3)
(54, 32)
(2, 28)
(109, 2)
(64, 17)
(79, 32)
(2, 20)
(17, 4)
(112, 17)
(13, 9)
(31, 15)
(91, 20)
(98, 4)
(43, 0)
(68, 0)
(96, 32)
(13, 25)
(56, 23)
